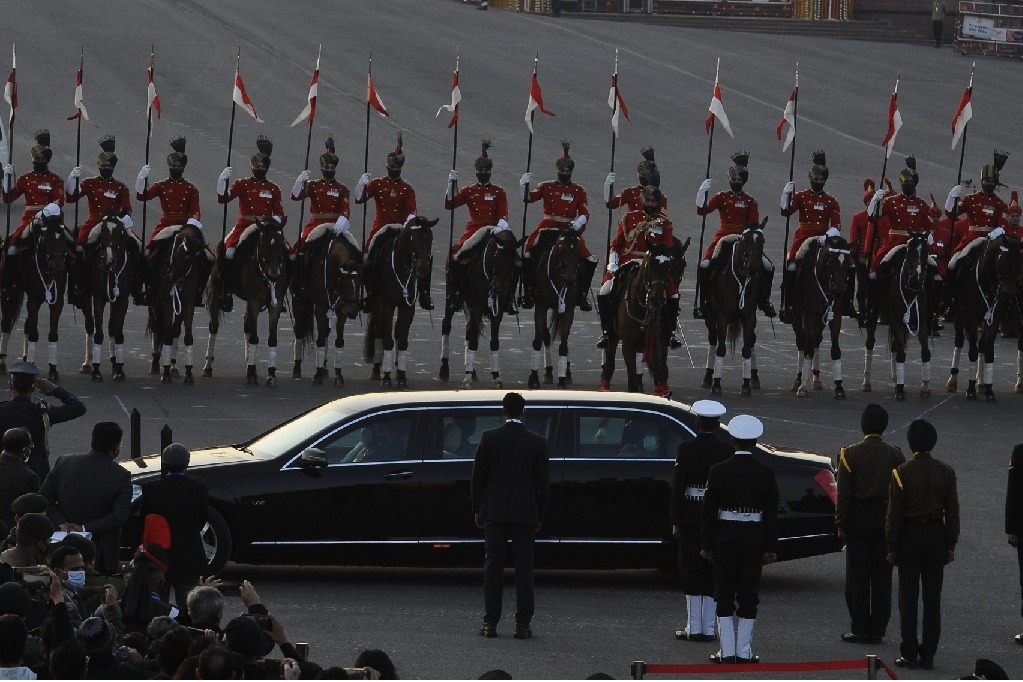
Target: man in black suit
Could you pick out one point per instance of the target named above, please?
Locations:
(16, 478)
(184, 502)
(740, 533)
(91, 493)
(510, 487)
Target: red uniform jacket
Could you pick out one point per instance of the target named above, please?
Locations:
(632, 199)
(906, 215)
(393, 201)
(256, 199)
(858, 228)
(179, 201)
(561, 205)
(104, 196)
(939, 249)
(984, 214)
(735, 211)
(817, 213)
(632, 241)
(328, 201)
(38, 189)
(487, 204)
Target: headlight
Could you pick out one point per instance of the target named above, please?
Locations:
(136, 493)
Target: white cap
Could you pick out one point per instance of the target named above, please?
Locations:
(708, 408)
(745, 427)
(51, 209)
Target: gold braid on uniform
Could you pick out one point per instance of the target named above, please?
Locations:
(843, 460)
(895, 475)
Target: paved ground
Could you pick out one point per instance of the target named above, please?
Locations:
(586, 622)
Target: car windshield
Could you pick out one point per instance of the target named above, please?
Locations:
(301, 429)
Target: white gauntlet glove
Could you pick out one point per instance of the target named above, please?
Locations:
(612, 262)
(140, 181)
(8, 177)
(608, 184)
(302, 178)
(341, 224)
(72, 179)
(225, 175)
(786, 194)
(360, 188)
(953, 194)
(701, 194)
(452, 179)
(875, 203)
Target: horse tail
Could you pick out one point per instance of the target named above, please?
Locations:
(369, 344)
(733, 330)
(303, 325)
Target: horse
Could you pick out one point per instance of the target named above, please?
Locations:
(733, 292)
(558, 264)
(40, 276)
(987, 275)
(906, 301)
(111, 269)
(399, 256)
(637, 319)
(182, 268)
(819, 303)
(261, 280)
(333, 280)
(487, 283)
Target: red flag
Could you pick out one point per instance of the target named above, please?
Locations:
(717, 108)
(79, 103)
(535, 102)
(788, 116)
(309, 113)
(241, 98)
(617, 103)
(374, 99)
(894, 123)
(456, 97)
(154, 99)
(963, 115)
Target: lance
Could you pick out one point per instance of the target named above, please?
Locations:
(529, 162)
(877, 209)
(149, 135)
(365, 156)
(308, 144)
(792, 167)
(614, 141)
(230, 138)
(10, 132)
(959, 176)
(78, 144)
(454, 161)
(703, 220)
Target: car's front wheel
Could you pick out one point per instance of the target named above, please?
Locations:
(216, 540)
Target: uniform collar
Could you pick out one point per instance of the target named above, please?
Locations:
(871, 435)
(922, 455)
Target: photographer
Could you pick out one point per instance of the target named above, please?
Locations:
(267, 622)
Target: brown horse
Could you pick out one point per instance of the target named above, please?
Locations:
(487, 284)
(819, 303)
(182, 268)
(985, 282)
(733, 282)
(39, 276)
(398, 257)
(558, 265)
(111, 265)
(261, 280)
(904, 297)
(637, 319)
(333, 279)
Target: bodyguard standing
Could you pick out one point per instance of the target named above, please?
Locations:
(692, 465)
(921, 530)
(864, 475)
(1014, 513)
(510, 488)
(739, 534)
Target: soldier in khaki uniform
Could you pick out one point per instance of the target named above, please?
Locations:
(921, 530)
(864, 475)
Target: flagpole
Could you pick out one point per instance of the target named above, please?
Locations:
(454, 161)
(78, 143)
(529, 162)
(10, 133)
(703, 220)
(308, 144)
(876, 215)
(365, 158)
(959, 175)
(792, 168)
(149, 134)
(614, 141)
(230, 138)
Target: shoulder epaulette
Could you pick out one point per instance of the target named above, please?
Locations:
(895, 475)
(843, 460)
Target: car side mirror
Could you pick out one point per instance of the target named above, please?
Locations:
(313, 458)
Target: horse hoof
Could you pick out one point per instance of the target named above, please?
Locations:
(119, 376)
(754, 383)
(568, 376)
(317, 379)
(175, 373)
(706, 383)
(155, 368)
(207, 371)
(249, 381)
(816, 384)
(474, 377)
(402, 383)
(165, 379)
(296, 373)
(562, 383)
(1018, 388)
(952, 385)
(271, 382)
(746, 391)
(989, 396)
(86, 368)
(715, 390)
(548, 376)
(53, 376)
(802, 393)
(498, 383)
(189, 379)
(795, 385)
(385, 382)
(534, 380)
(339, 381)
(900, 397)
(865, 387)
(925, 393)
(467, 382)
(444, 373)
(839, 393)
(97, 377)
(375, 374)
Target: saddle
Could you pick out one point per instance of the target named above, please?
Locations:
(475, 244)
(620, 282)
(322, 233)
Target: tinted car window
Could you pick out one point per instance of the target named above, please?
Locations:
(383, 438)
(280, 440)
(623, 434)
(460, 430)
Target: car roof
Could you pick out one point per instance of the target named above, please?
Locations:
(372, 401)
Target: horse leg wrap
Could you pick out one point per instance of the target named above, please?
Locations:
(30, 351)
(52, 348)
(1019, 359)
(112, 344)
(387, 361)
(981, 366)
(816, 363)
(338, 354)
(747, 369)
(378, 354)
(211, 346)
(925, 372)
(640, 367)
(957, 354)
(495, 362)
(470, 360)
(900, 373)
(189, 355)
(5, 338)
(806, 371)
(753, 358)
(973, 369)
(165, 356)
(251, 351)
(562, 366)
(321, 357)
(403, 360)
(711, 357)
(547, 356)
(989, 374)
(88, 344)
(837, 369)
(445, 346)
(97, 353)
(536, 360)
(271, 360)
(719, 366)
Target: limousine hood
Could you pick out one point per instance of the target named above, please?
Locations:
(807, 456)
(225, 454)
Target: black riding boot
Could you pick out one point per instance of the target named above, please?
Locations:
(225, 268)
(700, 309)
(10, 276)
(76, 283)
(425, 300)
(528, 277)
(588, 268)
(788, 287)
(670, 322)
(949, 301)
(509, 303)
(604, 314)
(766, 280)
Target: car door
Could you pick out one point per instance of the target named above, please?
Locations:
(368, 492)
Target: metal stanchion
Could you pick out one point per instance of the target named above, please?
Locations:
(871, 666)
(638, 670)
(166, 437)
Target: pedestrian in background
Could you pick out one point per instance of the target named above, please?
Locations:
(864, 476)
(922, 529)
(938, 21)
(1014, 513)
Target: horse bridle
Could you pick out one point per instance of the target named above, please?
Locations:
(49, 289)
(180, 240)
(343, 272)
(113, 289)
(920, 246)
(493, 297)
(557, 280)
(648, 285)
(749, 272)
(413, 257)
(828, 295)
(271, 282)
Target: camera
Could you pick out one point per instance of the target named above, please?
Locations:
(230, 589)
(32, 579)
(356, 673)
(265, 622)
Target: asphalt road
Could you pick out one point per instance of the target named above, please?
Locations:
(586, 621)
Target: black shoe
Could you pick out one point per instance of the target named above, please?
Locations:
(674, 342)
(927, 664)
(768, 309)
(602, 340)
(425, 302)
(1019, 639)
(903, 662)
(718, 658)
(523, 631)
(489, 630)
(875, 640)
(740, 659)
(852, 638)
(227, 303)
(526, 302)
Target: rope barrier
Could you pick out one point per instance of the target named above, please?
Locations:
(641, 668)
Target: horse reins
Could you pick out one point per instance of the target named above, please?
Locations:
(910, 305)
(271, 282)
(175, 293)
(50, 290)
(411, 279)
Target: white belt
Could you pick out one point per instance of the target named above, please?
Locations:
(695, 493)
(739, 516)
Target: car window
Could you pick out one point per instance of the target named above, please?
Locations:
(460, 430)
(622, 434)
(285, 437)
(382, 438)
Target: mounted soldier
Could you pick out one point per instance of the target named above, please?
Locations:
(819, 216)
(632, 197)
(258, 198)
(564, 208)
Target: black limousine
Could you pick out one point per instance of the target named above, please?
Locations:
(370, 480)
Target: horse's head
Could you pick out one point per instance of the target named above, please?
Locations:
(1008, 266)
(656, 268)
(749, 249)
(678, 260)
(113, 241)
(565, 257)
(184, 253)
(51, 244)
(272, 251)
(418, 235)
(500, 259)
(915, 265)
(345, 262)
(836, 260)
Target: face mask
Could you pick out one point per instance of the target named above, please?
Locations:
(817, 186)
(76, 579)
(106, 173)
(259, 173)
(649, 210)
(393, 174)
(483, 178)
(736, 186)
(40, 166)
(328, 175)
(564, 178)
(988, 188)
(176, 173)
(649, 443)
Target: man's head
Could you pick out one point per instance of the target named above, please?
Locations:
(868, 191)
(13, 637)
(205, 605)
(85, 547)
(909, 178)
(395, 160)
(708, 415)
(67, 562)
(68, 661)
(97, 637)
(513, 405)
(29, 503)
(329, 160)
(41, 152)
(986, 669)
(107, 160)
(922, 436)
(14, 600)
(259, 164)
(172, 649)
(565, 164)
(34, 530)
(175, 458)
(177, 159)
(220, 663)
(106, 438)
(738, 173)
(244, 636)
(874, 419)
(651, 200)
(745, 430)
(818, 174)
(23, 378)
(484, 165)
(18, 441)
